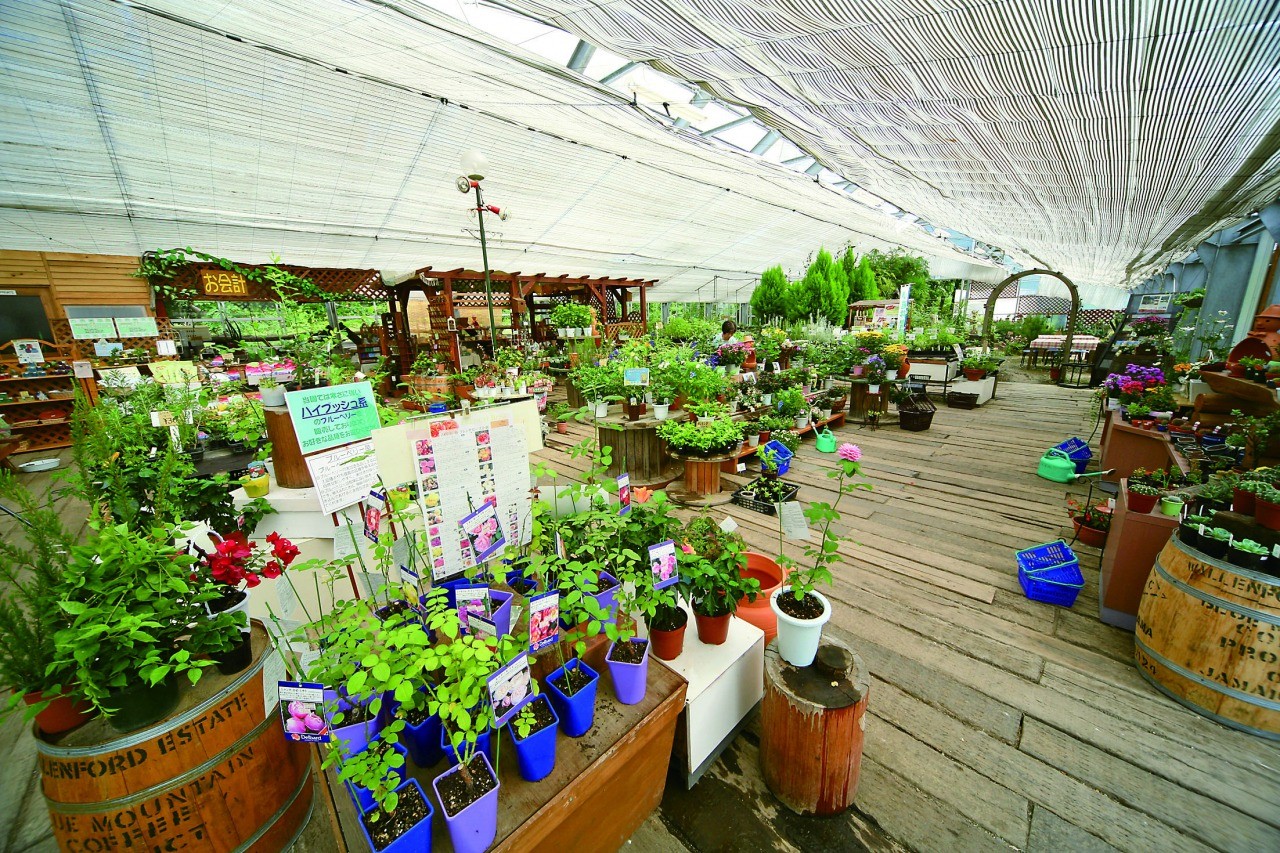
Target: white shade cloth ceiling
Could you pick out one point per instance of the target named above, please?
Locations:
(1099, 138)
(329, 132)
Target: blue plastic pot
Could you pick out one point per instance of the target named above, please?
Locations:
(606, 599)
(473, 829)
(630, 680)
(417, 839)
(423, 742)
(536, 754)
(484, 744)
(578, 711)
(362, 797)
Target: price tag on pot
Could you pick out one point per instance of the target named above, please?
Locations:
(302, 712)
(794, 525)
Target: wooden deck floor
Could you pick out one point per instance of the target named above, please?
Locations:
(995, 721)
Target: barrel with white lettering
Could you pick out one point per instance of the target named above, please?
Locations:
(217, 775)
(1208, 635)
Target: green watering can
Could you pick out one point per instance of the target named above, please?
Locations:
(826, 442)
(1057, 466)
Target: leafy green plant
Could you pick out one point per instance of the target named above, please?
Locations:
(136, 614)
(790, 403)
(700, 439)
(825, 553)
(1144, 489)
(570, 315)
(1220, 534)
(1248, 546)
(32, 564)
(711, 571)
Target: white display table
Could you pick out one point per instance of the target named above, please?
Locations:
(934, 369)
(984, 388)
(725, 683)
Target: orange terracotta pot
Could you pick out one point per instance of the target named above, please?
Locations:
(63, 713)
(770, 575)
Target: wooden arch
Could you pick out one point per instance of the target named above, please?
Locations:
(999, 288)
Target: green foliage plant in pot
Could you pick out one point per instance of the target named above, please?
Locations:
(701, 440)
(800, 608)
(1215, 542)
(711, 564)
(137, 622)
(32, 564)
(1247, 554)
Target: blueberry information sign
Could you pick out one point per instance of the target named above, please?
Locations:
(328, 417)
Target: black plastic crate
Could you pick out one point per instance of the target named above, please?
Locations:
(761, 506)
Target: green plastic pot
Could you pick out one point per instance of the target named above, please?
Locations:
(1171, 506)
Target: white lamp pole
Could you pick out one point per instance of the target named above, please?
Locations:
(474, 165)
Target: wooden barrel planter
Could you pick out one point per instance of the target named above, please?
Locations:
(286, 454)
(701, 483)
(573, 396)
(1208, 636)
(218, 774)
(812, 721)
(636, 450)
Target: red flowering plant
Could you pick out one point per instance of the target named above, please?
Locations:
(241, 564)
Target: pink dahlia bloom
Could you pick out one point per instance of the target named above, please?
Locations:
(850, 452)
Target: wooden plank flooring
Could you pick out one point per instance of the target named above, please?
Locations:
(995, 722)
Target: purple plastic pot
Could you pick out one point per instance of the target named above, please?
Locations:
(418, 838)
(355, 736)
(484, 743)
(630, 680)
(362, 796)
(577, 711)
(473, 829)
(536, 754)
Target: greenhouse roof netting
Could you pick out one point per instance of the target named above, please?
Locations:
(1101, 139)
(330, 131)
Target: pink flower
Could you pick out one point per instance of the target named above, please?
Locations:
(314, 722)
(850, 452)
(294, 726)
(299, 709)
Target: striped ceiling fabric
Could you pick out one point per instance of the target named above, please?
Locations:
(1099, 138)
(330, 132)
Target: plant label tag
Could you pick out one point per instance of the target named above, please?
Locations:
(483, 628)
(728, 525)
(776, 367)
(1111, 504)
(375, 506)
(624, 494)
(510, 688)
(163, 419)
(344, 539)
(82, 369)
(1275, 549)
(400, 554)
(742, 466)
(473, 600)
(794, 525)
(544, 620)
(662, 562)
(302, 712)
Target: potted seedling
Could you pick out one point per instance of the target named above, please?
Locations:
(711, 564)
(137, 622)
(628, 655)
(271, 391)
(1171, 505)
(1215, 542)
(1091, 522)
(1246, 553)
(534, 733)
(800, 608)
(1190, 528)
(1267, 507)
(33, 560)
(663, 394)
(1142, 497)
(572, 687)
(559, 414)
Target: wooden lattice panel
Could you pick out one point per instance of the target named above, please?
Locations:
(337, 284)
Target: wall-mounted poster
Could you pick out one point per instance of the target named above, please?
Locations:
(92, 328)
(28, 351)
(1155, 303)
(137, 327)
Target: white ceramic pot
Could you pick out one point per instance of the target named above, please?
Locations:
(602, 409)
(891, 374)
(273, 396)
(798, 639)
(831, 383)
(873, 389)
(753, 440)
(660, 410)
(802, 422)
(767, 399)
(566, 332)
(242, 607)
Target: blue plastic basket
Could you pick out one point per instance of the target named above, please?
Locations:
(1078, 451)
(1050, 573)
(782, 455)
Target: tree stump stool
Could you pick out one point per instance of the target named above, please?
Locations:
(812, 722)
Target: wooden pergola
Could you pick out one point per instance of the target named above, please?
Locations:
(449, 290)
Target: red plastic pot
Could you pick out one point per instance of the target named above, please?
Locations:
(63, 713)
(1267, 514)
(667, 644)
(1236, 369)
(767, 571)
(712, 630)
(1244, 502)
(973, 374)
(1091, 536)
(1142, 503)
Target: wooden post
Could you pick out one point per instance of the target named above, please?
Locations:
(286, 453)
(812, 721)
